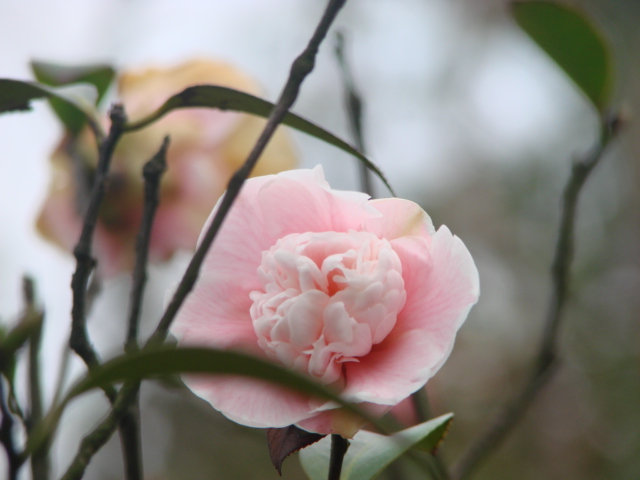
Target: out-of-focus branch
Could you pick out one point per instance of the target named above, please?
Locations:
(125, 410)
(152, 172)
(547, 357)
(353, 103)
(40, 457)
(93, 441)
(302, 66)
(79, 339)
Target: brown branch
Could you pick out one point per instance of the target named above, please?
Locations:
(40, 457)
(79, 339)
(152, 173)
(85, 263)
(547, 358)
(127, 415)
(302, 66)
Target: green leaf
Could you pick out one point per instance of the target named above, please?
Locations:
(158, 362)
(222, 98)
(100, 76)
(17, 95)
(17, 337)
(370, 453)
(54, 75)
(149, 363)
(573, 42)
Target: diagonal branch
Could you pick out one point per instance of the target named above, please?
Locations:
(152, 173)
(94, 441)
(547, 358)
(302, 66)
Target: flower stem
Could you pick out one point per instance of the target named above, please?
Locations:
(339, 447)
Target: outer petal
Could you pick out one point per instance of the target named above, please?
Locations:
(442, 285)
(252, 402)
(400, 218)
(341, 422)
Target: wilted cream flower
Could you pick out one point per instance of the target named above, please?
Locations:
(207, 146)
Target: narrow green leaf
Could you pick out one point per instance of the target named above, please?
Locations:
(54, 75)
(573, 42)
(222, 98)
(17, 95)
(149, 363)
(159, 362)
(370, 453)
(100, 76)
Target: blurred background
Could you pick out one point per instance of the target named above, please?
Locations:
(467, 117)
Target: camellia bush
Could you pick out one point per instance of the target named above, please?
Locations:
(314, 313)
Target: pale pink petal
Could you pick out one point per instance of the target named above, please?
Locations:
(400, 218)
(442, 290)
(251, 402)
(340, 421)
(442, 285)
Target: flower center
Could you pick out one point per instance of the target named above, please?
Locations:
(326, 299)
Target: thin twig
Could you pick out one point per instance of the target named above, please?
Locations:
(547, 358)
(353, 102)
(152, 172)
(79, 339)
(95, 286)
(93, 441)
(128, 418)
(302, 66)
(339, 447)
(40, 457)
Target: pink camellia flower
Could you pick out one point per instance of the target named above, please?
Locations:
(363, 295)
(207, 146)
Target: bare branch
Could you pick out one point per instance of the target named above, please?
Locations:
(547, 358)
(302, 66)
(152, 172)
